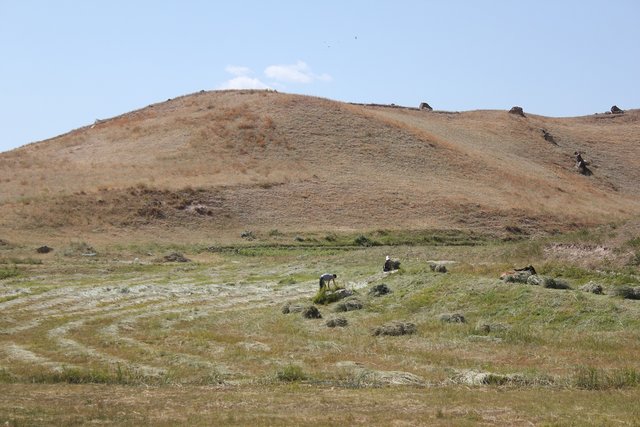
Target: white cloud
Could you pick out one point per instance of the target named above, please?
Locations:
(295, 73)
(244, 82)
(238, 70)
(242, 79)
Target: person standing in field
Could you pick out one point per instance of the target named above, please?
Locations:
(326, 279)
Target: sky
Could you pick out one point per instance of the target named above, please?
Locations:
(64, 64)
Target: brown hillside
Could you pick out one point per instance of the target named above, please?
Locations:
(215, 163)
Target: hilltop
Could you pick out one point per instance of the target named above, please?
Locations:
(217, 163)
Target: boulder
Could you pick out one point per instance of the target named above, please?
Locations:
(44, 249)
(518, 111)
(616, 110)
(425, 106)
(395, 329)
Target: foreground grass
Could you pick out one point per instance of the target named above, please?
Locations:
(301, 404)
(124, 329)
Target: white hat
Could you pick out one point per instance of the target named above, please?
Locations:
(388, 258)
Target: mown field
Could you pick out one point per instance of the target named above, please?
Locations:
(118, 335)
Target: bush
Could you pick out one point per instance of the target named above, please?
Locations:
(8, 272)
(291, 373)
(590, 378)
(363, 240)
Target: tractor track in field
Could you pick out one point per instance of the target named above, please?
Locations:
(60, 315)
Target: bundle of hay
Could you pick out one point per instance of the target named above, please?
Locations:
(311, 312)
(338, 321)
(395, 329)
(379, 290)
(592, 287)
(547, 282)
(349, 305)
(452, 318)
(626, 292)
(175, 257)
(437, 267)
(292, 308)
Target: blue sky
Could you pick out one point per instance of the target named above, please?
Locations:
(66, 63)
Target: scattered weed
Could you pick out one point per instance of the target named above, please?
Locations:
(291, 373)
(9, 272)
(590, 378)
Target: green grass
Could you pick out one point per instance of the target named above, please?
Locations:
(557, 340)
(291, 373)
(6, 273)
(591, 378)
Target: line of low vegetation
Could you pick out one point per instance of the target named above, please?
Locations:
(591, 378)
(115, 375)
(25, 261)
(275, 239)
(8, 272)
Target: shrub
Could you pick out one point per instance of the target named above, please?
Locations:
(8, 272)
(291, 373)
(363, 240)
(590, 378)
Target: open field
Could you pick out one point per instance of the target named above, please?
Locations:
(263, 192)
(122, 337)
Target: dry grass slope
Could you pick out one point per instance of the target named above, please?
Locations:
(219, 162)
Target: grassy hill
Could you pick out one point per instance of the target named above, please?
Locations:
(260, 193)
(222, 162)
